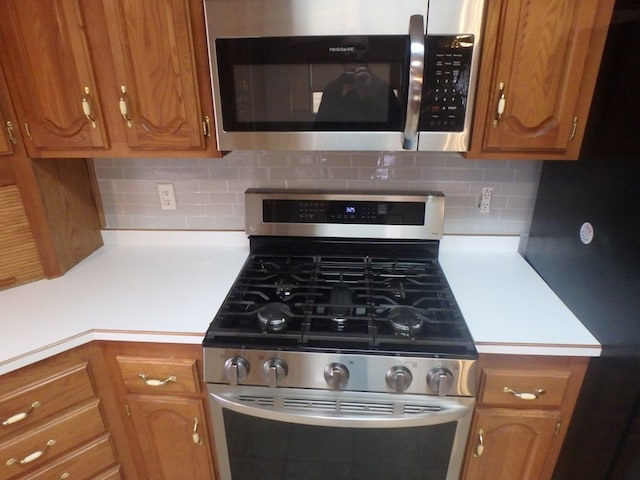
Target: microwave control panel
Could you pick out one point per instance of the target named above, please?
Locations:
(446, 82)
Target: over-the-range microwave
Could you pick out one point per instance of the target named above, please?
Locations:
(344, 74)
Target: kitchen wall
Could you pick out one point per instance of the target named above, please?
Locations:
(209, 192)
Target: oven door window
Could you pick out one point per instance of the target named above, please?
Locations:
(313, 83)
(272, 450)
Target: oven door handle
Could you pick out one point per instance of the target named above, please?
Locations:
(416, 73)
(347, 412)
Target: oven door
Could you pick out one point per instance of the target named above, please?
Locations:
(287, 434)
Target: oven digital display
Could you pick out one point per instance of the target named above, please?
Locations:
(343, 212)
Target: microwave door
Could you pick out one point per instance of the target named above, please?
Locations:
(319, 92)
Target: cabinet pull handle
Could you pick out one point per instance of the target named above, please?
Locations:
(195, 435)
(525, 395)
(206, 126)
(152, 382)
(64, 476)
(12, 137)
(32, 456)
(480, 445)
(86, 108)
(18, 417)
(574, 128)
(502, 101)
(124, 110)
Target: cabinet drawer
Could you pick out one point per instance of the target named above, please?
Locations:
(32, 402)
(158, 375)
(38, 446)
(79, 464)
(524, 388)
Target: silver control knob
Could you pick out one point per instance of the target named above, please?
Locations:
(274, 370)
(336, 375)
(236, 369)
(440, 380)
(398, 378)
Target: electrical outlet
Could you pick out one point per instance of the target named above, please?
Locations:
(485, 200)
(167, 196)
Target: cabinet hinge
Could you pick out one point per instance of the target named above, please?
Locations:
(206, 126)
(128, 410)
(574, 128)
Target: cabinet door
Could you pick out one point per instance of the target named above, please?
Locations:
(156, 72)
(510, 444)
(537, 76)
(48, 67)
(173, 436)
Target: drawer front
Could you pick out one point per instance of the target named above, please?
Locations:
(158, 375)
(36, 401)
(524, 388)
(21, 453)
(80, 464)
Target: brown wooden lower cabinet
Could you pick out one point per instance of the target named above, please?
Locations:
(164, 409)
(524, 407)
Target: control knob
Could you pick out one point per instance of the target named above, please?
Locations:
(398, 378)
(336, 375)
(236, 369)
(274, 370)
(440, 380)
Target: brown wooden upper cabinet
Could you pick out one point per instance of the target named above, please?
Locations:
(539, 66)
(96, 78)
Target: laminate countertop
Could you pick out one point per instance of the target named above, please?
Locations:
(166, 286)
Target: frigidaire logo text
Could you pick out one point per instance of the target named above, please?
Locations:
(342, 49)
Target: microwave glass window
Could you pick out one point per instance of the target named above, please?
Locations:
(284, 84)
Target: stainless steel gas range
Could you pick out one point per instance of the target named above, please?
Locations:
(340, 351)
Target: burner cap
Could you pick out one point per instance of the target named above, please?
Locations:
(406, 321)
(273, 317)
(284, 287)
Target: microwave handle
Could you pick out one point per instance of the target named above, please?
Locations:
(416, 71)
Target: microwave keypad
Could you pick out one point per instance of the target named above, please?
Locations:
(446, 87)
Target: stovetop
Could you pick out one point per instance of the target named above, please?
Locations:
(381, 297)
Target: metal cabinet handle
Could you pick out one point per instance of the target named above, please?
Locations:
(18, 417)
(86, 108)
(525, 395)
(195, 435)
(64, 476)
(32, 456)
(480, 445)
(124, 110)
(157, 383)
(502, 102)
(416, 73)
(9, 126)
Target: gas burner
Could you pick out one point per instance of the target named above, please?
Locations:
(406, 321)
(284, 287)
(396, 288)
(273, 317)
(341, 304)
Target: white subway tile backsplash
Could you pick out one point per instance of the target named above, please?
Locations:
(210, 192)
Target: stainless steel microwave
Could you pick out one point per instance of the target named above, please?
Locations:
(344, 74)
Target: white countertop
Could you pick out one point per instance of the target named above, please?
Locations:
(167, 286)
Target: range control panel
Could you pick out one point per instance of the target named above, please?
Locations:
(342, 211)
(447, 69)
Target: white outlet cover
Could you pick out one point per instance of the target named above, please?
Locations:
(587, 232)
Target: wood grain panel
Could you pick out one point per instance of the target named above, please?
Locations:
(19, 259)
